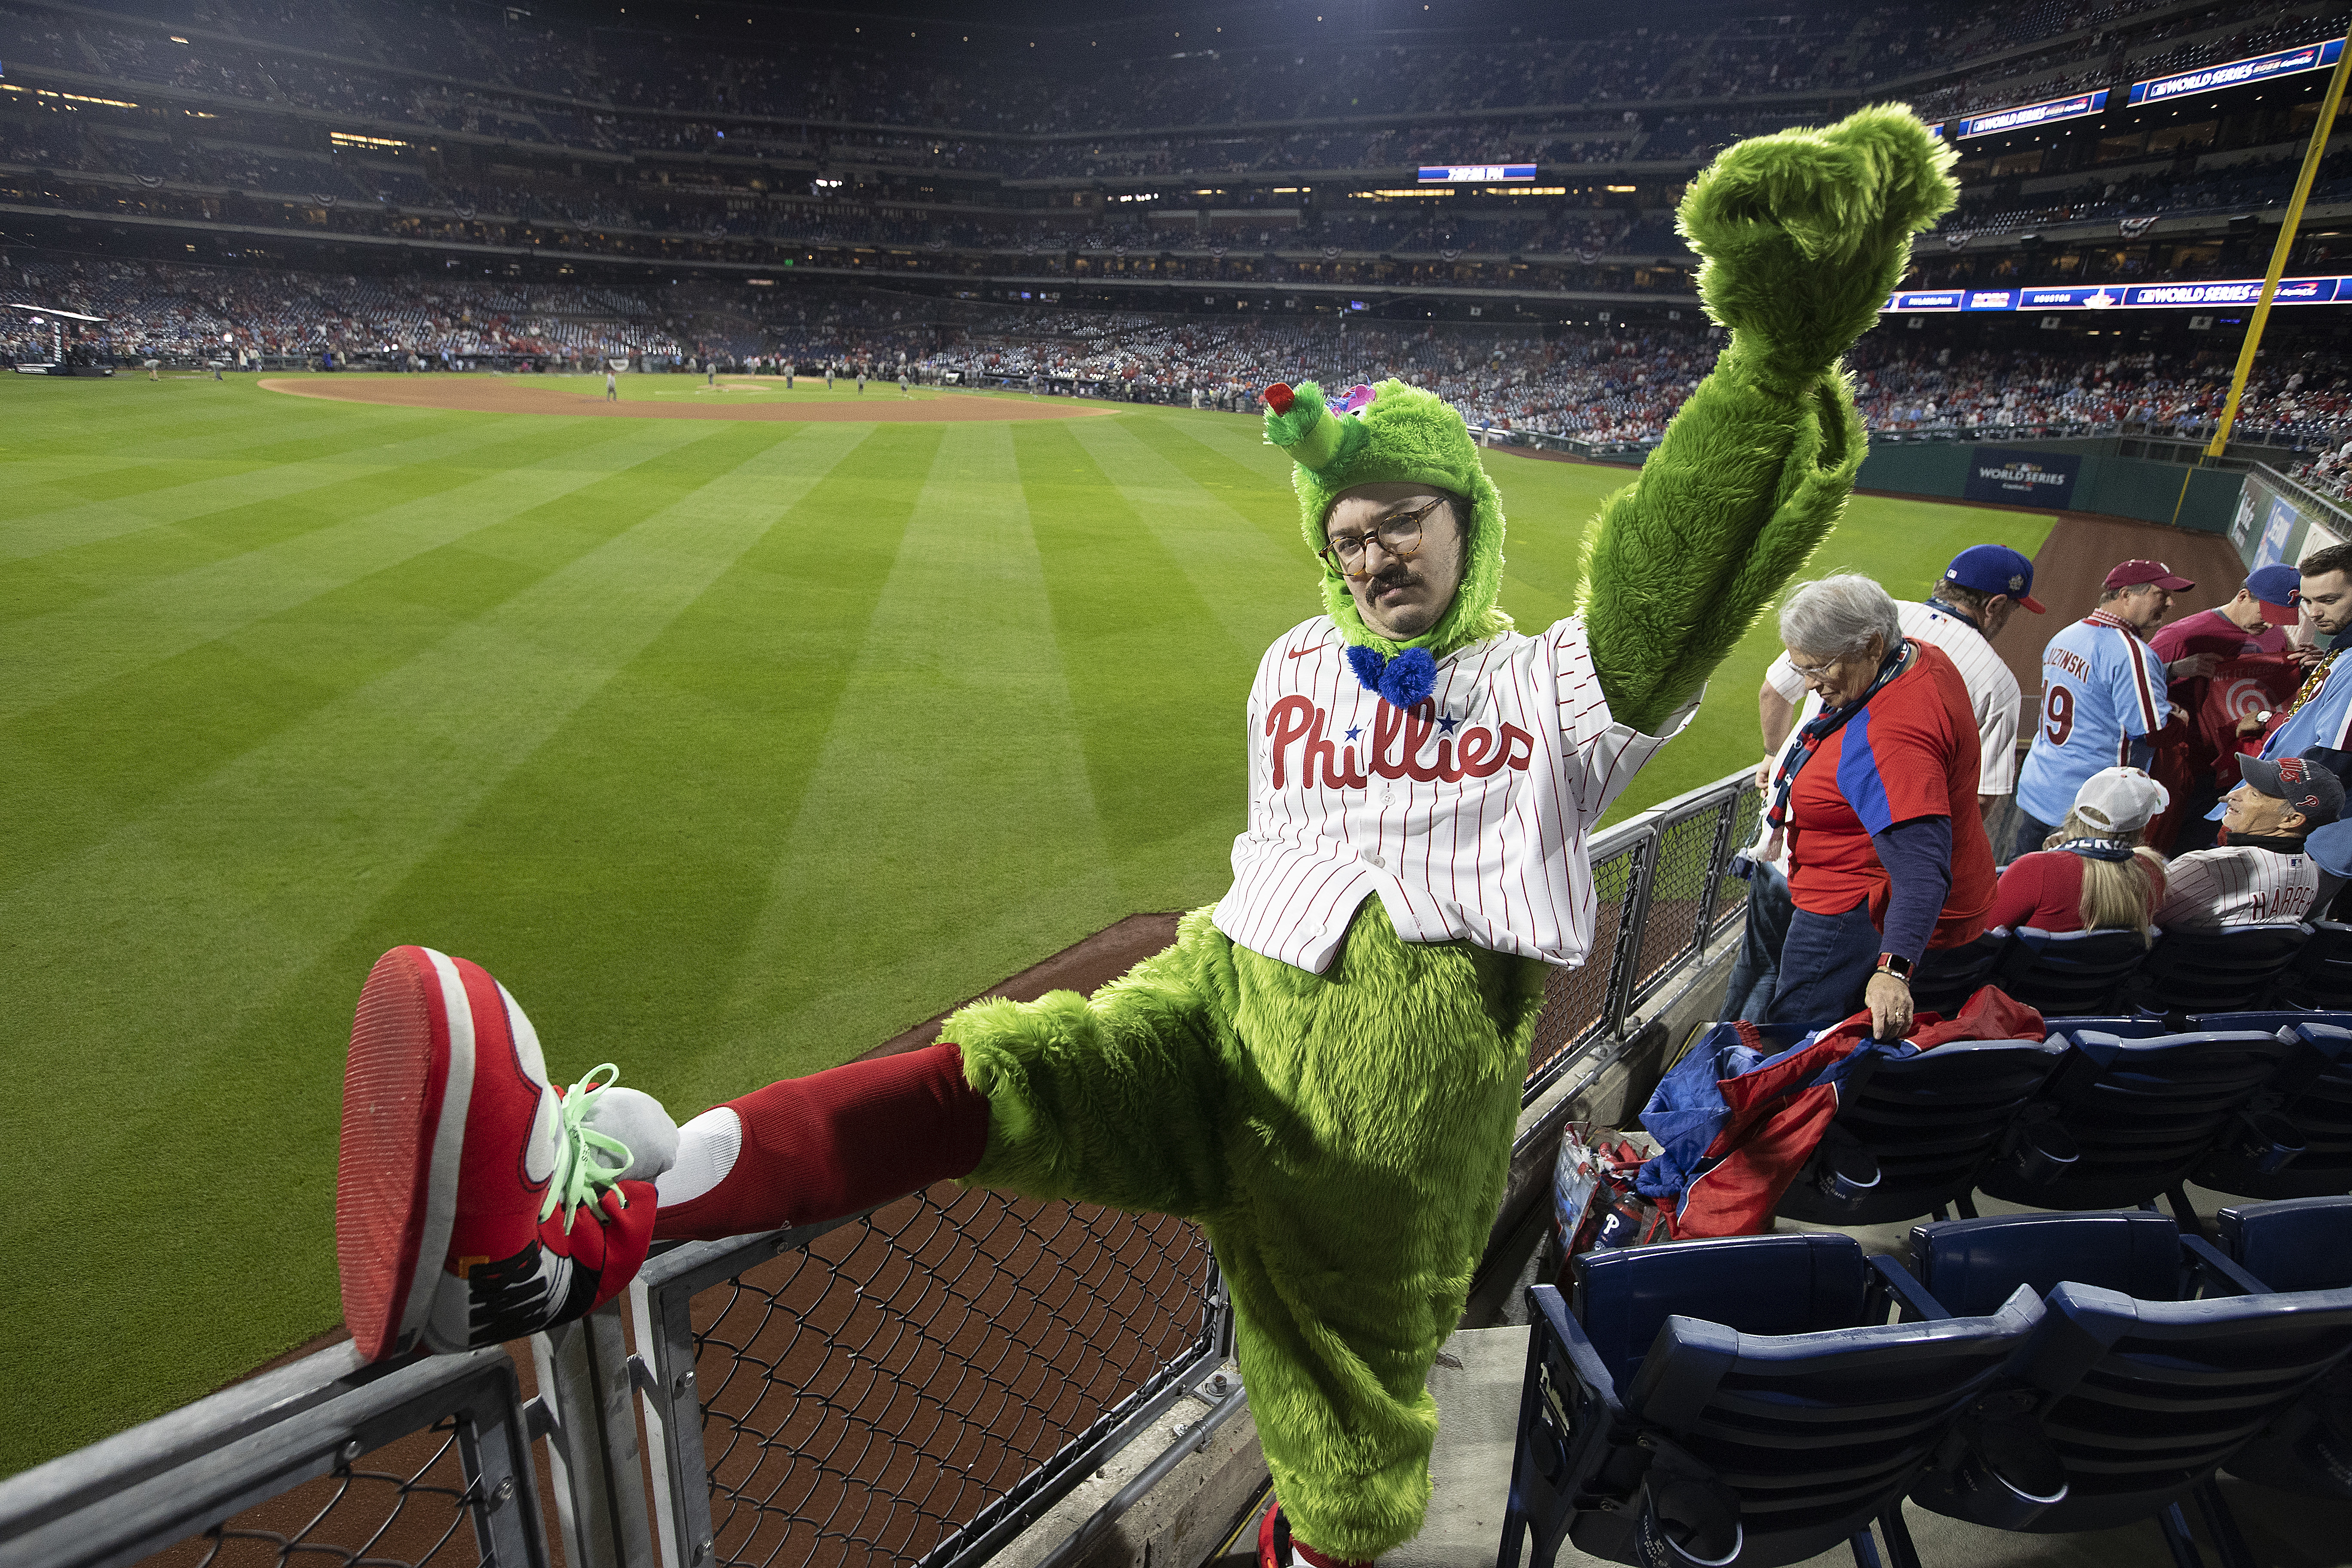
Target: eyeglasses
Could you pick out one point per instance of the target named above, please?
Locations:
(1399, 534)
(1818, 671)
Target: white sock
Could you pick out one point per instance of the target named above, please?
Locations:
(638, 1121)
(706, 1150)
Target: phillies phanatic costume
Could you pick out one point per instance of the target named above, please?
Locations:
(1324, 1071)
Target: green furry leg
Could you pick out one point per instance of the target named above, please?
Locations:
(1343, 1139)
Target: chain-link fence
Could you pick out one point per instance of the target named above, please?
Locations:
(917, 1384)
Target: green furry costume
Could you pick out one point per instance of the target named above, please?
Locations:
(1343, 1137)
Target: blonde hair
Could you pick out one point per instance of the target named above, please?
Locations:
(2118, 894)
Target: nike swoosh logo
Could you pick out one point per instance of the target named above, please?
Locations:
(1302, 652)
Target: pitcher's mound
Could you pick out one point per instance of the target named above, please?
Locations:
(488, 394)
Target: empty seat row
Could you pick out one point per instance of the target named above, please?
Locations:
(1757, 1400)
(2303, 965)
(2103, 1113)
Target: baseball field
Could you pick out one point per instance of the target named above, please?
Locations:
(732, 744)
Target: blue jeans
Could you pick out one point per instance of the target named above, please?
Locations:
(2029, 835)
(1825, 963)
(1755, 974)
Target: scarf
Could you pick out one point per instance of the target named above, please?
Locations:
(2113, 849)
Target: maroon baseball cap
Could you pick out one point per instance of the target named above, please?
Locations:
(2132, 574)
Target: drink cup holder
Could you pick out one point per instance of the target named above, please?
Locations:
(2268, 1142)
(1688, 1522)
(1845, 1173)
(2008, 1473)
(2042, 1151)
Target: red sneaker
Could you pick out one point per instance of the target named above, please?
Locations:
(471, 1205)
(1277, 1549)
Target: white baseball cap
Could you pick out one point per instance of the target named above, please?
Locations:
(2120, 800)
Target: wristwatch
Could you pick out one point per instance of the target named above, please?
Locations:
(1898, 965)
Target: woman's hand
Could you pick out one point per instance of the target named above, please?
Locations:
(1889, 1001)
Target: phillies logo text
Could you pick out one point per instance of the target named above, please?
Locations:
(1395, 754)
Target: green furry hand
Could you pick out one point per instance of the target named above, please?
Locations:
(1805, 233)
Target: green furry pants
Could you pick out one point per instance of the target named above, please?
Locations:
(1342, 1139)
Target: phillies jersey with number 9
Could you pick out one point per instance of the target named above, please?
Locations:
(2102, 689)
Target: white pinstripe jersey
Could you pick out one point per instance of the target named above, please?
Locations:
(2236, 885)
(2102, 688)
(1467, 816)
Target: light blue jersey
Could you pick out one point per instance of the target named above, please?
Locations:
(2102, 695)
(2323, 721)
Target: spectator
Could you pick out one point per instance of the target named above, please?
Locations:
(1877, 804)
(2262, 876)
(2318, 722)
(2248, 638)
(1978, 592)
(2102, 695)
(2096, 875)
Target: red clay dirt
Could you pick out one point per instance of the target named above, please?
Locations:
(2073, 562)
(484, 394)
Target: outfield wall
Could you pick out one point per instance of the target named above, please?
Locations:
(2278, 519)
(2077, 476)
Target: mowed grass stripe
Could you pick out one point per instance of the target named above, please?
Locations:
(446, 438)
(105, 755)
(393, 518)
(1156, 681)
(249, 905)
(947, 836)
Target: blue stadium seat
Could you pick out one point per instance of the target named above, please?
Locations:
(2124, 1121)
(1946, 977)
(2301, 1244)
(2068, 972)
(2217, 970)
(2321, 974)
(2129, 1397)
(1917, 1131)
(2294, 1139)
(1741, 1399)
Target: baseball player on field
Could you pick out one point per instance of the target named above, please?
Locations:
(2102, 696)
(1324, 1070)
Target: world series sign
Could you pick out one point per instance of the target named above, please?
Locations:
(2238, 73)
(2012, 477)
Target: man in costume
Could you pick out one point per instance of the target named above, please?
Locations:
(1324, 1071)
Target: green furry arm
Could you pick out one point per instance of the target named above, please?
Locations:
(1803, 233)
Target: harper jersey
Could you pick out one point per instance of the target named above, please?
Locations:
(2235, 885)
(2102, 695)
(1467, 814)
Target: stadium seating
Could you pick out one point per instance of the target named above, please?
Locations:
(1946, 977)
(2302, 1244)
(2131, 1393)
(1923, 1127)
(2321, 974)
(1741, 1399)
(2215, 972)
(2137, 1116)
(2294, 1139)
(2066, 973)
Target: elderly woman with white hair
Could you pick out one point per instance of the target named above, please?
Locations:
(1887, 854)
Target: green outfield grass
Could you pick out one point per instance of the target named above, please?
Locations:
(732, 748)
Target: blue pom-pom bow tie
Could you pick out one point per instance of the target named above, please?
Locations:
(1401, 681)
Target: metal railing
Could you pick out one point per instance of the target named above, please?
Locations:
(915, 1385)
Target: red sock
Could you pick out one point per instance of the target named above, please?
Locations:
(837, 1141)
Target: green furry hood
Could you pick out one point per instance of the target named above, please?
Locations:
(1403, 435)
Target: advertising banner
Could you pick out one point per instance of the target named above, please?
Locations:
(1475, 174)
(2237, 73)
(2023, 478)
(2123, 296)
(2278, 531)
(2026, 115)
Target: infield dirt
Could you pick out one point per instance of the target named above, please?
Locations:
(478, 394)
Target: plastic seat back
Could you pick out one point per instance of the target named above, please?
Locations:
(2141, 1401)
(1755, 1284)
(2073, 972)
(2294, 1139)
(1924, 1124)
(2321, 974)
(1972, 1265)
(2218, 970)
(1946, 977)
(2301, 1244)
(2121, 1122)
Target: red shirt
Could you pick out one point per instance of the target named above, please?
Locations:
(2045, 890)
(1912, 752)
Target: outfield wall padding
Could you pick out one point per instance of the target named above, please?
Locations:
(2106, 483)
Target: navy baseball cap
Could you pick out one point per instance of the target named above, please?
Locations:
(2306, 784)
(1991, 569)
(2277, 589)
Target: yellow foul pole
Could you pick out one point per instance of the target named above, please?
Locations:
(2311, 157)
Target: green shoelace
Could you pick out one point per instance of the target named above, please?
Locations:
(580, 1175)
